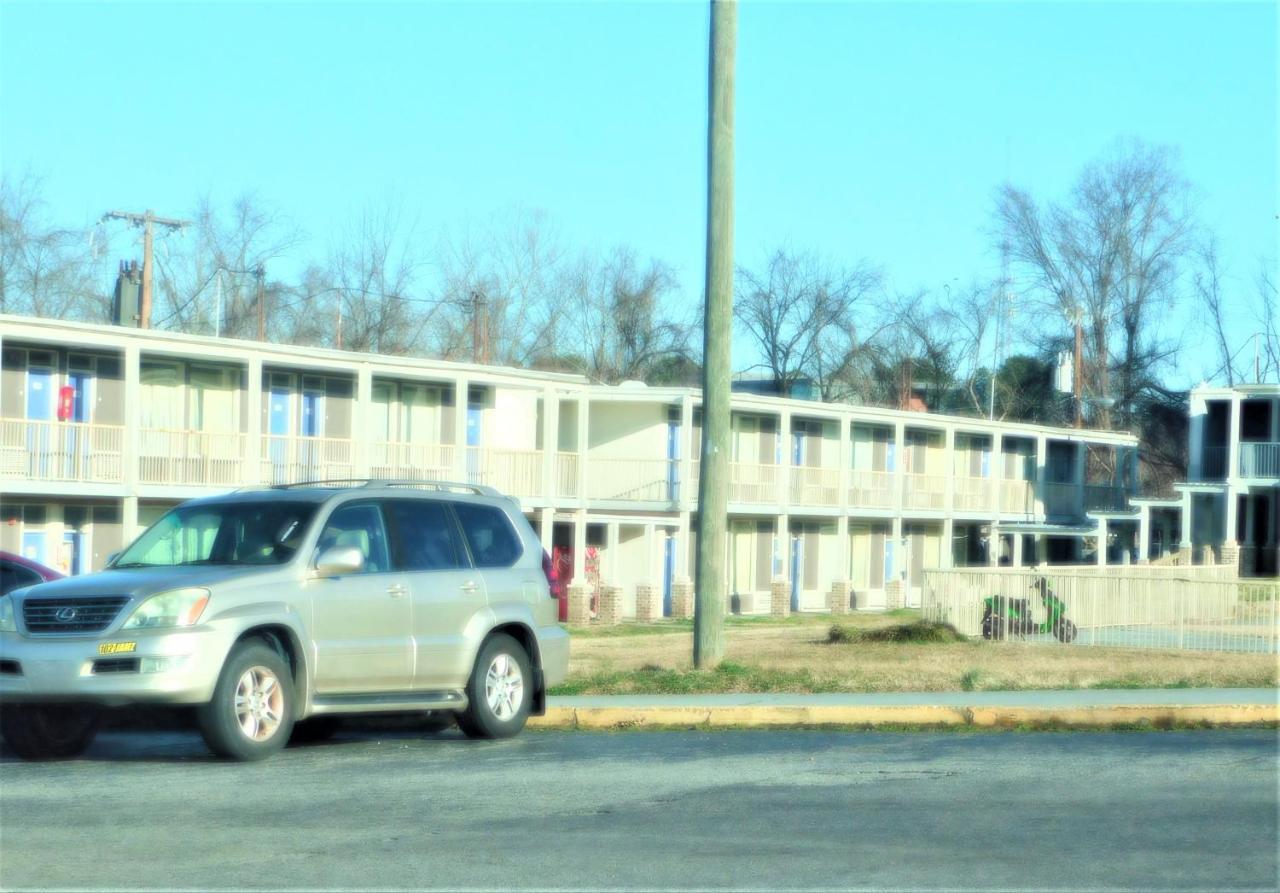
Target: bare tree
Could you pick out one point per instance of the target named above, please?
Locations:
(620, 311)
(1268, 318)
(1207, 283)
(225, 252)
(1114, 253)
(800, 313)
(45, 270)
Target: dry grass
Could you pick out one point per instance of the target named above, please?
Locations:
(795, 656)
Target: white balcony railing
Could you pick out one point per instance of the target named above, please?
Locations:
(567, 474)
(514, 472)
(974, 494)
(635, 480)
(61, 451)
(871, 489)
(167, 456)
(288, 459)
(754, 483)
(1017, 497)
(924, 491)
(815, 486)
(411, 461)
(1260, 460)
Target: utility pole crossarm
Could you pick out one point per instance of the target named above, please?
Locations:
(148, 221)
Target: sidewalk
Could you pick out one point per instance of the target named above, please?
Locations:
(1084, 708)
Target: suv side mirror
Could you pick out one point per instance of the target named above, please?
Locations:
(338, 561)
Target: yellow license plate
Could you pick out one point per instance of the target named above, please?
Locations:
(117, 647)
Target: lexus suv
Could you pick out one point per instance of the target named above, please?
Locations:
(294, 604)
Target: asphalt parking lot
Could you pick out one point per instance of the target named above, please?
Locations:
(398, 809)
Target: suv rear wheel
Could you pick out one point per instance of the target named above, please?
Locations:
(500, 691)
(251, 713)
(48, 731)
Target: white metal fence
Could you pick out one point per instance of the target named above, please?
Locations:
(1191, 608)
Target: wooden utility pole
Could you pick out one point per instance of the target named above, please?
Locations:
(1078, 383)
(713, 483)
(147, 221)
(261, 273)
(479, 328)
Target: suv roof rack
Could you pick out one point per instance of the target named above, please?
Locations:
(445, 486)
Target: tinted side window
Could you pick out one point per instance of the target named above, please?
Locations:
(423, 537)
(359, 526)
(14, 576)
(493, 543)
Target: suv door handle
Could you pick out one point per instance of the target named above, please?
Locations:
(396, 590)
(468, 587)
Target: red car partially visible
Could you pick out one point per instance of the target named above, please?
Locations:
(16, 572)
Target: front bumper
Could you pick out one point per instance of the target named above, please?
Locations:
(167, 667)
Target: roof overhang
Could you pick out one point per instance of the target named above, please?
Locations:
(1046, 529)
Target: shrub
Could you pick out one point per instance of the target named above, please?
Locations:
(920, 631)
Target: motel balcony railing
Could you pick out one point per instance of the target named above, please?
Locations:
(287, 459)
(1260, 461)
(815, 486)
(1017, 497)
(41, 450)
(1061, 499)
(514, 472)
(566, 472)
(208, 458)
(1105, 498)
(871, 489)
(411, 461)
(973, 493)
(924, 491)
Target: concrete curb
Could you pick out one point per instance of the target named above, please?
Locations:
(980, 716)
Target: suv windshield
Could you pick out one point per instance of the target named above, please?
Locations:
(248, 533)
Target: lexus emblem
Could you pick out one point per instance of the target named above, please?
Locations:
(66, 615)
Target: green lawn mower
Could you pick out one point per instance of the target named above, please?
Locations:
(1003, 616)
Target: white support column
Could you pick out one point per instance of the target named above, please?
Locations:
(550, 443)
(546, 527)
(1188, 501)
(1233, 443)
(1081, 470)
(362, 413)
(949, 468)
(253, 440)
(461, 401)
(1042, 475)
(947, 550)
(1230, 515)
(688, 492)
(899, 466)
(584, 407)
(609, 563)
(784, 467)
(580, 547)
(1199, 413)
(1017, 550)
(899, 549)
(1144, 534)
(996, 477)
(846, 463)
(653, 558)
(1103, 525)
(132, 419)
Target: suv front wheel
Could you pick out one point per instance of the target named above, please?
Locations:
(251, 713)
(500, 691)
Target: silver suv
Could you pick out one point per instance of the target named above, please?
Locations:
(296, 604)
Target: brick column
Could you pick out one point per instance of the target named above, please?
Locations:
(579, 604)
(893, 595)
(1230, 555)
(610, 605)
(648, 602)
(780, 597)
(838, 600)
(682, 599)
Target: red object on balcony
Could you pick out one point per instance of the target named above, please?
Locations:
(66, 402)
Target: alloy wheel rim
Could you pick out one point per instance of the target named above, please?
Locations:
(259, 703)
(504, 687)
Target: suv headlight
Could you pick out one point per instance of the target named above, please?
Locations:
(7, 622)
(179, 607)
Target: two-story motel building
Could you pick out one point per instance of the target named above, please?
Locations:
(103, 428)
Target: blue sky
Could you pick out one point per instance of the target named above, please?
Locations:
(865, 130)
